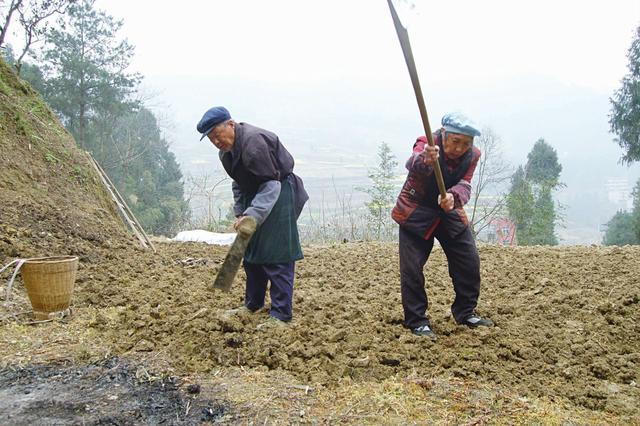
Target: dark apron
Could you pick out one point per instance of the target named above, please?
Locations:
(277, 239)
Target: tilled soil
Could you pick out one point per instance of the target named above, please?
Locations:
(566, 318)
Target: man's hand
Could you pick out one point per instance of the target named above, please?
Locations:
(237, 221)
(446, 203)
(430, 154)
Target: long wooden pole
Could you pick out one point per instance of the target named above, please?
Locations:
(403, 36)
(122, 205)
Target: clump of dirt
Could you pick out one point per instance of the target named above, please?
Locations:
(112, 391)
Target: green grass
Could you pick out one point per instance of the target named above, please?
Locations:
(50, 158)
(4, 89)
(22, 126)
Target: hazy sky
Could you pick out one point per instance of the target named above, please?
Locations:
(501, 62)
(301, 41)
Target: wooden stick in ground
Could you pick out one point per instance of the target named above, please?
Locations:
(122, 205)
(133, 217)
(117, 201)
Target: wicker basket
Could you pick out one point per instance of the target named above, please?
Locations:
(49, 282)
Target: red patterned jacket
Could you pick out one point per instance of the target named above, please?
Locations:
(417, 208)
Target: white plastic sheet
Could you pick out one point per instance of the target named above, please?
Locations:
(202, 236)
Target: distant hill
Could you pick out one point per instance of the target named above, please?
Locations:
(333, 130)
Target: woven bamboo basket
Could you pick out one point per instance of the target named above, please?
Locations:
(49, 282)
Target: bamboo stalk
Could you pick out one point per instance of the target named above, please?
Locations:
(122, 206)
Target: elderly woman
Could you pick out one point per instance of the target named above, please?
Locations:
(424, 215)
(264, 187)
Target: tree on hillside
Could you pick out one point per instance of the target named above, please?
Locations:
(29, 72)
(144, 169)
(542, 166)
(624, 117)
(530, 201)
(383, 192)
(520, 204)
(85, 82)
(619, 230)
(85, 65)
(488, 198)
(635, 213)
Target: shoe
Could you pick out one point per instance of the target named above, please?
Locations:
(424, 330)
(272, 322)
(475, 320)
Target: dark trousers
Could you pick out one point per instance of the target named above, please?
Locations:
(281, 276)
(464, 270)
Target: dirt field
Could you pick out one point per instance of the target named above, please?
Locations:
(148, 342)
(567, 323)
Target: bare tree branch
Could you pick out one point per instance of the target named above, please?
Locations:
(203, 186)
(33, 17)
(32, 20)
(492, 172)
(489, 215)
(13, 6)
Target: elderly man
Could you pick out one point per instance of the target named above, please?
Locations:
(265, 188)
(424, 215)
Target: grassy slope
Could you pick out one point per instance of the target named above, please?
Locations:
(51, 199)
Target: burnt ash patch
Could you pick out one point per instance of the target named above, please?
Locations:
(110, 392)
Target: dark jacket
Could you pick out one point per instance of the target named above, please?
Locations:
(417, 208)
(258, 157)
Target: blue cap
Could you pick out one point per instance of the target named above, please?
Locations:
(211, 119)
(458, 123)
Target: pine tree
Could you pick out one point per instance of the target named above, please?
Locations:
(530, 200)
(620, 230)
(382, 194)
(624, 118)
(85, 64)
(520, 204)
(542, 165)
(542, 230)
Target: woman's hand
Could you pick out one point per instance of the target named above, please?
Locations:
(446, 203)
(430, 154)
